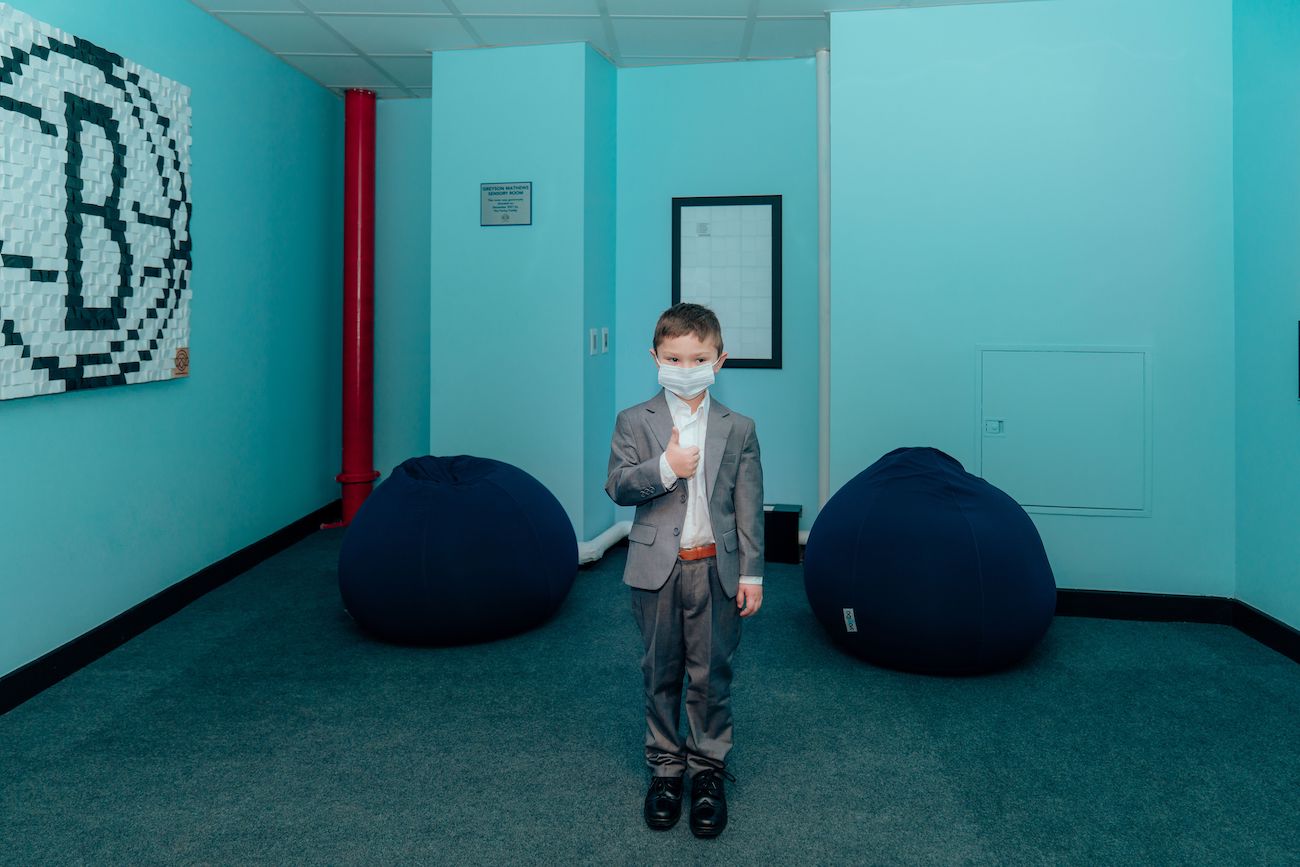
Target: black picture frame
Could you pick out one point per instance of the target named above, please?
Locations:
(680, 202)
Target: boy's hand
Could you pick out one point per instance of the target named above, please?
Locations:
(749, 599)
(684, 461)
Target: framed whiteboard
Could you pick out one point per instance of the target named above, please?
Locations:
(727, 256)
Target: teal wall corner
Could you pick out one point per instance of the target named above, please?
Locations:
(599, 232)
(402, 297)
(1266, 43)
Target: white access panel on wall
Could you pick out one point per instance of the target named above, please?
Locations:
(1066, 430)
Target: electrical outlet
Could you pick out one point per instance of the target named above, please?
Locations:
(604, 340)
(591, 344)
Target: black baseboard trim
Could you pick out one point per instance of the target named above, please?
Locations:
(1161, 607)
(1158, 607)
(40, 674)
(1268, 631)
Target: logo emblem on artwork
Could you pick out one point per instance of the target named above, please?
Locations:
(94, 215)
(182, 364)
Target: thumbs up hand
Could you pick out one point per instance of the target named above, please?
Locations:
(683, 460)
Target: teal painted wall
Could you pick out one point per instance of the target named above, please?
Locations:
(726, 129)
(402, 131)
(508, 342)
(126, 490)
(599, 221)
(1266, 37)
(1042, 173)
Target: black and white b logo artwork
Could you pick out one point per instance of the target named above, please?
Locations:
(94, 215)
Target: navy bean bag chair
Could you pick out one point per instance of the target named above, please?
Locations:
(456, 550)
(918, 565)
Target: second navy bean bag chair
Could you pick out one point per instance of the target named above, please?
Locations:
(918, 565)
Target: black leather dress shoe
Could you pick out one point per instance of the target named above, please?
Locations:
(709, 803)
(663, 803)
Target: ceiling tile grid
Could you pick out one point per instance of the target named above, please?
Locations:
(370, 7)
(401, 34)
(385, 45)
(521, 30)
(788, 37)
(285, 31)
(668, 37)
(411, 70)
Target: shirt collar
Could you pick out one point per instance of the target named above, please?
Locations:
(678, 407)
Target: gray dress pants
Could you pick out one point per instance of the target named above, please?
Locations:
(689, 627)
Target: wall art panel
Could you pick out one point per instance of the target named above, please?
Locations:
(94, 215)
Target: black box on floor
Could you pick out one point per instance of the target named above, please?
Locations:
(781, 532)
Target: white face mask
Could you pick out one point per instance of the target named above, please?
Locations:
(686, 382)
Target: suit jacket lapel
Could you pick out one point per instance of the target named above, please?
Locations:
(715, 443)
(661, 419)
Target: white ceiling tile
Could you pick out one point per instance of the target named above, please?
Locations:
(410, 71)
(949, 2)
(678, 37)
(341, 71)
(527, 7)
(672, 61)
(866, 5)
(248, 5)
(512, 30)
(296, 32)
(734, 8)
(820, 7)
(400, 34)
(791, 7)
(789, 37)
(381, 6)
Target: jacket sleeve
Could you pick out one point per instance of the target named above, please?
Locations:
(749, 506)
(633, 478)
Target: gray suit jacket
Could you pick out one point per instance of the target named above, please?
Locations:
(733, 479)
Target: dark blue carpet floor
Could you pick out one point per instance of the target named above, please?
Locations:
(258, 726)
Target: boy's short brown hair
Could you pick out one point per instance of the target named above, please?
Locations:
(685, 318)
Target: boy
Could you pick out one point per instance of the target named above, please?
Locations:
(695, 560)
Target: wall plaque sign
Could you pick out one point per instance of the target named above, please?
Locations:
(506, 204)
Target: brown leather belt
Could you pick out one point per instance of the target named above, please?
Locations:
(698, 553)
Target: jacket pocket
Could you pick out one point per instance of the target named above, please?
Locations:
(643, 533)
(729, 540)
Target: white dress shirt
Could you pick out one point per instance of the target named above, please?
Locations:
(692, 430)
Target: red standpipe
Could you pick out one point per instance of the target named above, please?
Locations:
(358, 302)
